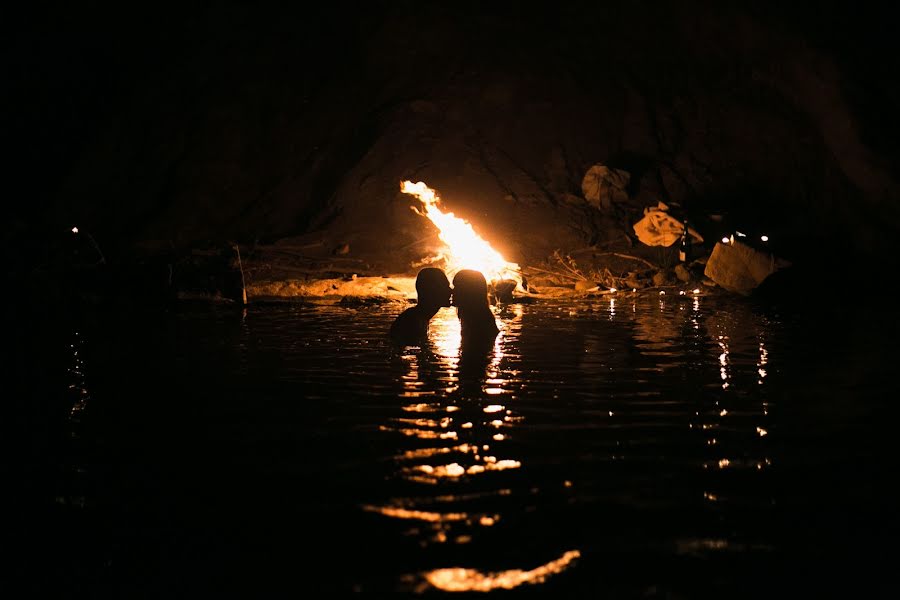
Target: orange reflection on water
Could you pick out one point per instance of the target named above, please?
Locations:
(444, 357)
(445, 334)
(431, 452)
(433, 474)
(422, 407)
(419, 515)
(421, 422)
(424, 434)
(424, 453)
(740, 463)
(763, 361)
(458, 579)
(441, 523)
(469, 399)
(723, 361)
(507, 463)
(451, 470)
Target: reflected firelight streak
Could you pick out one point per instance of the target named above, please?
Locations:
(763, 360)
(76, 373)
(727, 341)
(723, 361)
(458, 579)
(72, 494)
(427, 516)
(433, 420)
(419, 515)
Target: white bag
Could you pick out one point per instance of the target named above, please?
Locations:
(659, 228)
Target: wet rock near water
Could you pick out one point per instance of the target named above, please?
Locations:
(740, 268)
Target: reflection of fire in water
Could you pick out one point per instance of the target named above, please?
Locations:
(75, 465)
(739, 348)
(465, 249)
(447, 422)
(445, 333)
(470, 580)
(735, 343)
(454, 432)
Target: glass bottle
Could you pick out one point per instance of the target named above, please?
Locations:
(684, 252)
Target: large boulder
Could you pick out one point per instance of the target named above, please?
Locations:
(603, 187)
(740, 268)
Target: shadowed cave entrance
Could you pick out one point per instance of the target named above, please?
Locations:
(264, 133)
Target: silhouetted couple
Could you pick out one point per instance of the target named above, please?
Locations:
(470, 297)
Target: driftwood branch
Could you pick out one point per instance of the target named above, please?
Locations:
(427, 238)
(308, 271)
(630, 257)
(557, 273)
(299, 256)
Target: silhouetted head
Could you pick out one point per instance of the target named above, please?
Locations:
(469, 289)
(477, 324)
(433, 287)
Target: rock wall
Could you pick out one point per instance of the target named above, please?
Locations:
(227, 122)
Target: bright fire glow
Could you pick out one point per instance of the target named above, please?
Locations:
(465, 249)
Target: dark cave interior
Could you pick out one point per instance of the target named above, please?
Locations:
(170, 130)
(185, 125)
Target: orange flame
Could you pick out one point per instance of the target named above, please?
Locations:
(465, 249)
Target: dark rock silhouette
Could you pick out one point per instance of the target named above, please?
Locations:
(225, 122)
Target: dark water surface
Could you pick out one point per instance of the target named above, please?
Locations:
(670, 447)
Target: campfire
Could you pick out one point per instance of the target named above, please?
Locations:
(463, 247)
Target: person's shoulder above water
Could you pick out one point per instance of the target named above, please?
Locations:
(410, 326)
(433, 289)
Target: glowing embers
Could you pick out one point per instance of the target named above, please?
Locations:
(458, 579)
(465, 249)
